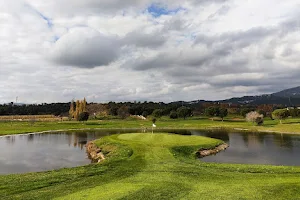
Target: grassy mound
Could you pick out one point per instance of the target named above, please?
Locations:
(155, 166)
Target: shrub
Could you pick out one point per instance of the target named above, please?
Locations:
(259, 121)
(84, 116)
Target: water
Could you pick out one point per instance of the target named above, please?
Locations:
(42, 152)
(257, 148)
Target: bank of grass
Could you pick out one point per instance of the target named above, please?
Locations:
(155, 166)
(291, 125)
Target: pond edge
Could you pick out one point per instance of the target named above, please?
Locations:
(94, 152)
(201, 153)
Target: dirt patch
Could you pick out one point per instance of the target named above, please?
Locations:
(207, 152)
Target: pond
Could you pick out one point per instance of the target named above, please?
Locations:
(42, 152)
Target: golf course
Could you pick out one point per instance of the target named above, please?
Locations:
(153, 166)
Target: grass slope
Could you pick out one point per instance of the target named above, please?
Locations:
(155, 166)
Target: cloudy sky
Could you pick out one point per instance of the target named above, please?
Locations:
(163, 50)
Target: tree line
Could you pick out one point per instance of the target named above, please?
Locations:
(35, 109)
(157, 109)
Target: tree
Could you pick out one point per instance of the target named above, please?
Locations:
(294, 112)
(80, 108)
(84, 116)
(223, 112)
(84, 103)
(262, 112)
(72, 110)
(211, 111)
(113, 110)
(184, 112)
(245, 111)
(76, 113)
(123, 112)
(157, 113)
(145, 114)
(253, 116)
(280, 114)
(265, 109)
(173, 115)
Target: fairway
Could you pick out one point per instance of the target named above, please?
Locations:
(155, 166)
(288, 126)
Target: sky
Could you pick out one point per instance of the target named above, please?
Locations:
(145, 50)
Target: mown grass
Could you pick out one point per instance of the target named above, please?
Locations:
(291, 125)
(155, 166)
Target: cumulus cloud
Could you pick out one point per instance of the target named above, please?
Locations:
(115, 50)
(85, 47)
(147, 40)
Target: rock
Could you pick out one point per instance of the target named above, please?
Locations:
(94, 152)
(207, 152)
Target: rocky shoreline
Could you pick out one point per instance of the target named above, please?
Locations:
(94, 152)
(207, 152)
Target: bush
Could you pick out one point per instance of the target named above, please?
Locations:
(173, 115)
(84, 116)
(259, 121)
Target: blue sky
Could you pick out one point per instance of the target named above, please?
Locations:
(157, 10)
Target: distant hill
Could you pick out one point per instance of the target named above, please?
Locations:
(288, 97)
(292, 92)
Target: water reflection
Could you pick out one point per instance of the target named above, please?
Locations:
(260, 148)
(41, 152)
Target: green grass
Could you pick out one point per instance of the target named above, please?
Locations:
(291, 125)
(155, 166)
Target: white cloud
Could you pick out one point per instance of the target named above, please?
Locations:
(85, 47)
(116, 50)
